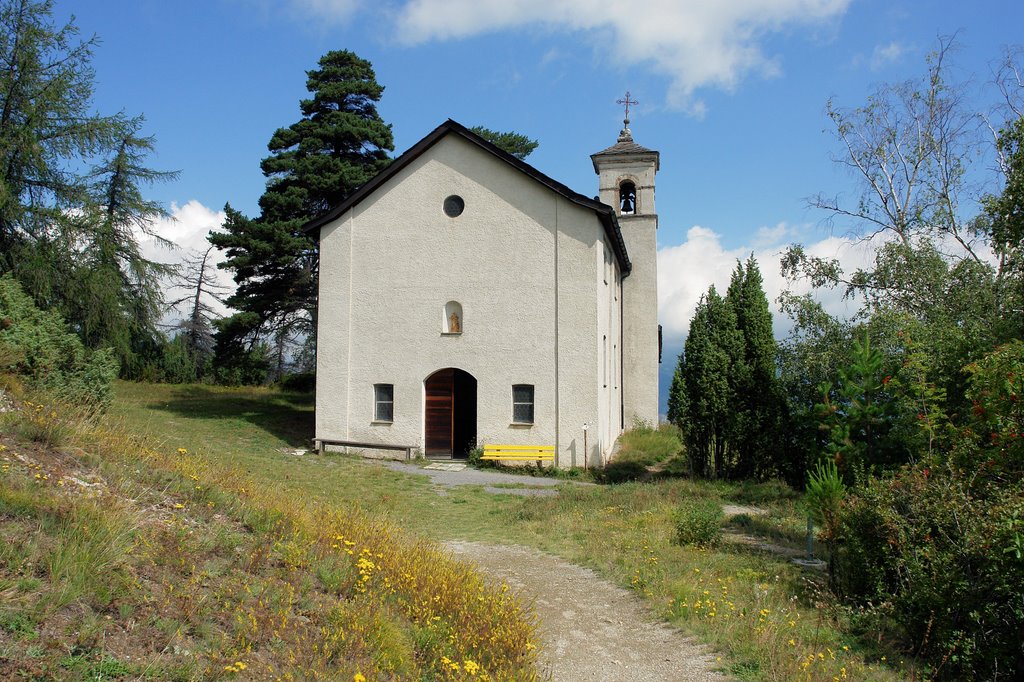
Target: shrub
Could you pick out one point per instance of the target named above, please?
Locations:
(943, 564)
(699, 522)
(475, 456)
(824, 495)
(304, 382)
(38, 345)
(621, 471)
(763, 492)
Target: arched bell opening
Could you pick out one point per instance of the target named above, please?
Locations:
(627, 197)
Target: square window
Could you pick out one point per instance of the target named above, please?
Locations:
(383, 402)
(522, 403)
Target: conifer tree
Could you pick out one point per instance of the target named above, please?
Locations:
(194, 332)
(725, 394)
(46, 123)
(516, 144)
(704, 395)
(69, 236)
(339, 143)
(759, 400)
(114, 296)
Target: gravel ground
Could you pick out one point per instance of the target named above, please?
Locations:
(531, 485)
(589, 628)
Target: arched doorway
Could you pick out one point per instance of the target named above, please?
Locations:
(450, 418)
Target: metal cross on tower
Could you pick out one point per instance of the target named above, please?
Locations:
(626, 101)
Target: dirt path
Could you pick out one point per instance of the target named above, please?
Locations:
(590, 629)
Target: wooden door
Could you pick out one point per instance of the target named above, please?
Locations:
(440, 415)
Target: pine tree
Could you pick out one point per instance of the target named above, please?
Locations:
(516, 144)
(725, 394)
(194, 332)
(339, 143)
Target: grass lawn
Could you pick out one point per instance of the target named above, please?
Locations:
(769, 620)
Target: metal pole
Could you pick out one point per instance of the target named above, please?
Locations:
(586, 453)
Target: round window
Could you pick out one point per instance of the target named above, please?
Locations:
(454, 206)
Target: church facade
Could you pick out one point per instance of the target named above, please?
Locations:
(467, 298)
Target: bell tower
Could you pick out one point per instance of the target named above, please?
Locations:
(626, 173)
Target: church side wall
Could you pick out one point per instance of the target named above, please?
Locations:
(582, 304)
(333, 330)
(405, 259)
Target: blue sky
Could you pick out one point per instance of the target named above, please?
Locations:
(732, 93)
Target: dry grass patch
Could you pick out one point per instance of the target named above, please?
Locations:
(120, 561)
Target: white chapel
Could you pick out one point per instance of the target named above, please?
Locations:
(467, 298)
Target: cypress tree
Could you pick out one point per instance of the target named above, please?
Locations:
(705, 392)
(725, 394)
(760, 404)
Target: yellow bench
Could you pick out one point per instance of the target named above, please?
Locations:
(519, 453)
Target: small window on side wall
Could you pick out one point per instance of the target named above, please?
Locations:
(384, 402)
(522, 403)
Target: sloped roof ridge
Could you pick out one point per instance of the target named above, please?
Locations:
(605, 212)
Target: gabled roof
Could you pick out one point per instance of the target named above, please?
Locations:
(604, 212)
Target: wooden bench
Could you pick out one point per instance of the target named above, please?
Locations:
(320, 443)
(519, 453)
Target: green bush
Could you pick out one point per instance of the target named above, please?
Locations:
(824, 495)
(938, 566)
(762, 492)
(699, 522)
(304, 382)
(38, 346)
(475, 456)
(621, 471)
(935, 553)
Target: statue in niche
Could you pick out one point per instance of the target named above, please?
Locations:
(454, 326)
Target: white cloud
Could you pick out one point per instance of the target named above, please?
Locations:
(881, 56)
(685, 272)
(551, 56)
(695, 44)
(884, 55)
(187, 227)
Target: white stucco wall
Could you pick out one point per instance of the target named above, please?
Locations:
(526, 265)
(640, 288)
(640, 321)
